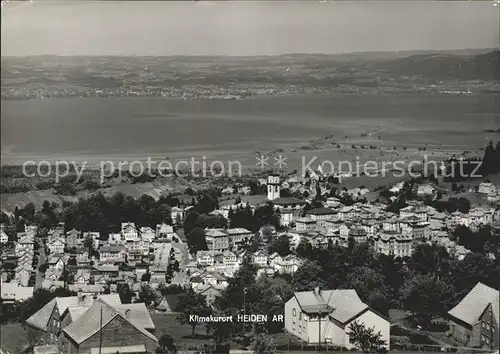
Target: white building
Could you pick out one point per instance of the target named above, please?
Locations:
(273, 187)
(325, 316)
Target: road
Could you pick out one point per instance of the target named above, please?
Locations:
(42, 259)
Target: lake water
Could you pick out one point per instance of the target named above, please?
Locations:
(123, 128)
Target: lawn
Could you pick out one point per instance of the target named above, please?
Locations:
(13, 338)
(168, 324)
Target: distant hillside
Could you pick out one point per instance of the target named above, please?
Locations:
(484, 66)
(202, 77)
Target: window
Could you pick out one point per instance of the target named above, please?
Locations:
(300, 315)
(294, 313)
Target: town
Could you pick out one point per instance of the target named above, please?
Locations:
(415, 268)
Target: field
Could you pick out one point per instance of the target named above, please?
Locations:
(167, 324)
(13, 338)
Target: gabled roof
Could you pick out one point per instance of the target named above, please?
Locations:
(138, 313)
(342, 305)
(475, 302)
(89, 323)
(321, 211)
(41, 318)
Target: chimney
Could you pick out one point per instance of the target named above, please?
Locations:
(80, 296)
(127, 313)
(317, 291)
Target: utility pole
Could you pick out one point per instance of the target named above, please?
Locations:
(244, 308)
(100, 333)
(319, 331)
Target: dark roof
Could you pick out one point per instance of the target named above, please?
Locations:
(288, 201)
(320, 211)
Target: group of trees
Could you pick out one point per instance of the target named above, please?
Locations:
(199, 218)
(427, 284)
(95, 213)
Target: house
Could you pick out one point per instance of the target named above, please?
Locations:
(217, 240)
(289, 208)
(260, 259)
(205, 258)
(103, 325)
(326, 316)
(82, 277)
(474, 322)
(112, 253)
(56, 263)
(177, 215)
(229, 259)
(393, 243)
(165, 231)
(3, 237)
(129, 231)
(286, 265)
(306, 223)
(82, 254)
(14, 292)
(213, 278)
(210, 292)
(56, 245)
(147, 234)
(487, 188)
(87, 289)
(73, 238)
(320, 214)
(237, 236)
(48, 318)
(425, 189)
(52, 284)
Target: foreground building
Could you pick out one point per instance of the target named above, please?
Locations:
(325, 315)
(474, 322)
(109, 327)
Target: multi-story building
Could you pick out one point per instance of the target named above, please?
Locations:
(289, 209)
(129, 232)
(306, 223)
(474, 322)
(393, 243)
(325, 316)
(320, 215)
(220, 240)
(73, 238)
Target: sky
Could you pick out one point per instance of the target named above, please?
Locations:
(244, 28)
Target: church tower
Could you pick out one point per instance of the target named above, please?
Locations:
(273, 186)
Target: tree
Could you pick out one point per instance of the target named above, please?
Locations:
(166, 345)
(307, 277)
(125, 293)
(88, 244)
(281, 245)
(304, 249)
(371, 286)
(426, 297)
(196, 240)
(263, 344)
(191, 303)
(365, 338)
(147, 295)
(39, 299)
(146, 277)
